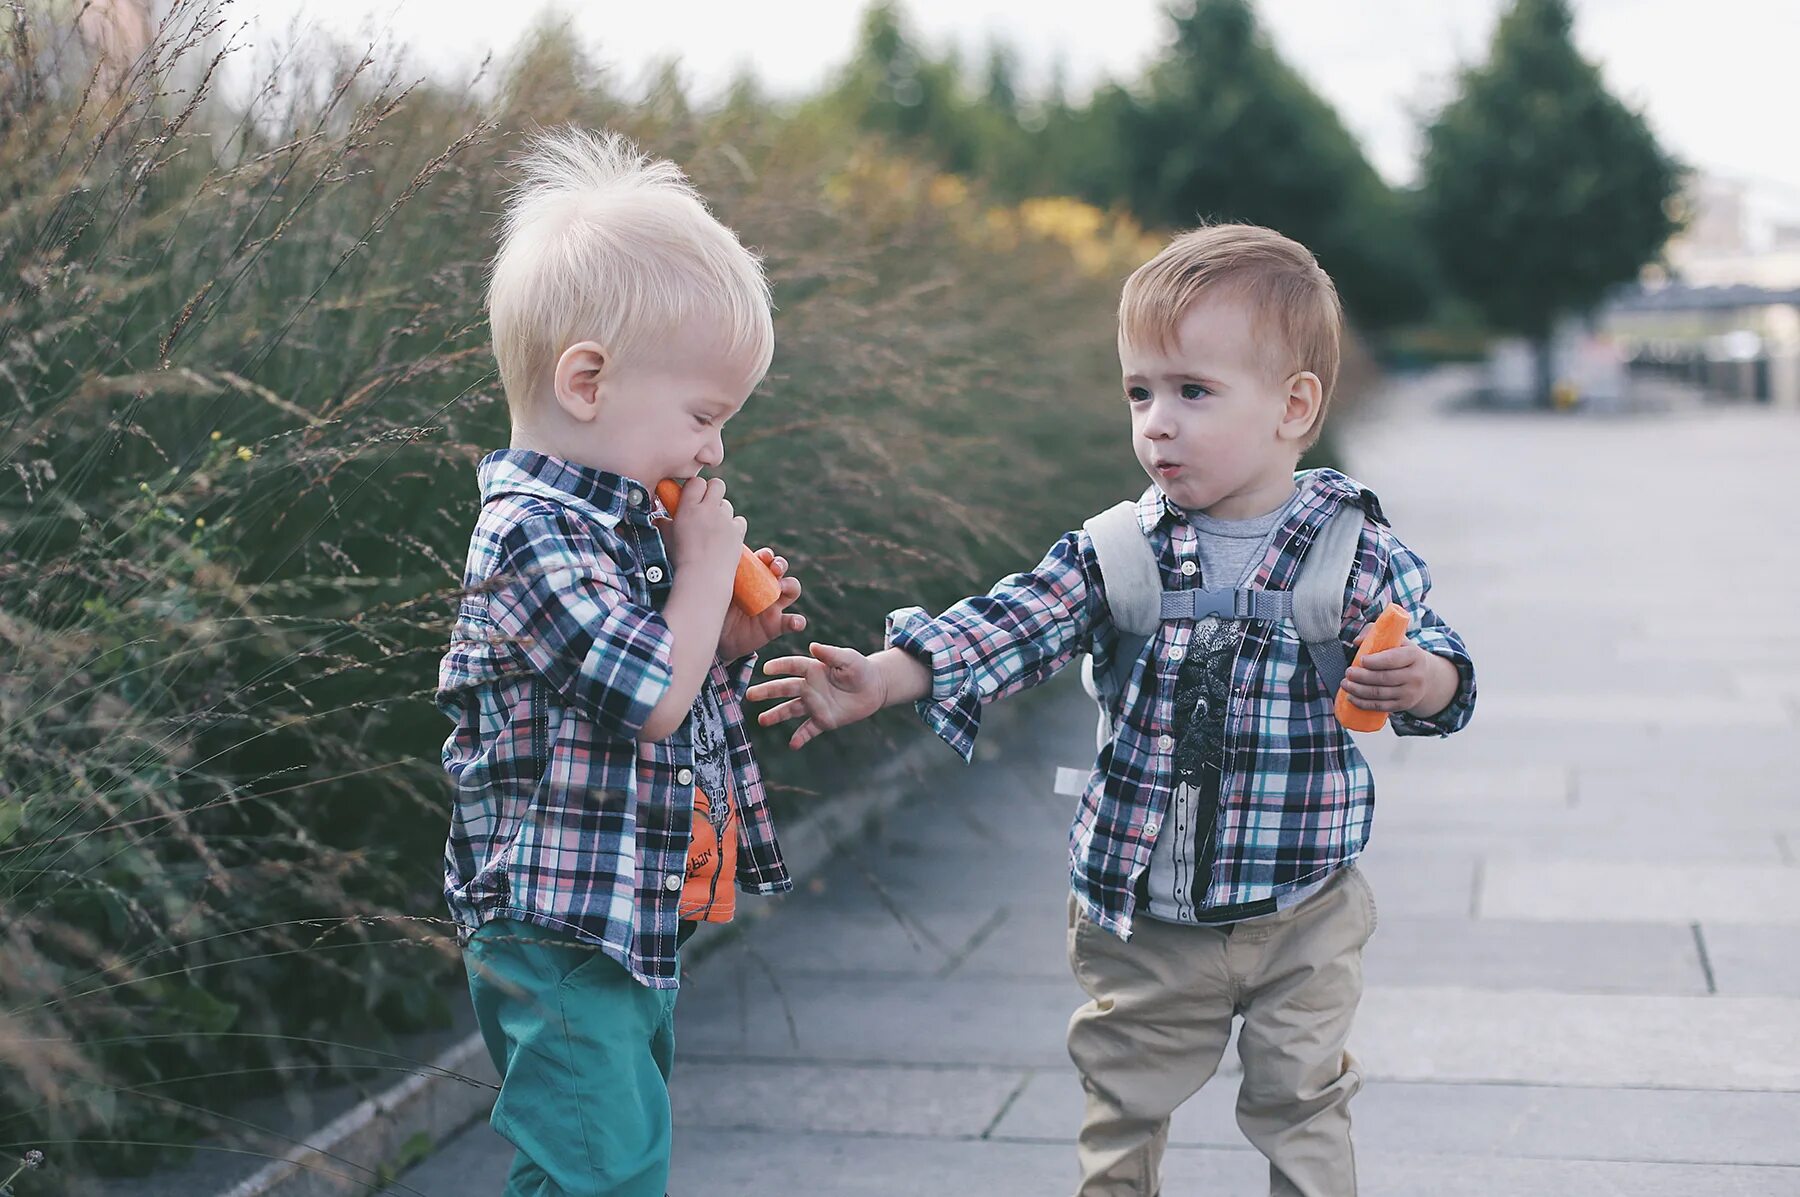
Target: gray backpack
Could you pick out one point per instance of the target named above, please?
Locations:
(1139, 606)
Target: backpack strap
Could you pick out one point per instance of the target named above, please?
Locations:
(1318, 593)
(1133, 582)
(1139, 605)
(1133, 596)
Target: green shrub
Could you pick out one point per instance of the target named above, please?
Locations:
(246, 381)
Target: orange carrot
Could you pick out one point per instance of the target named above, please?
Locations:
(755, 588)
(1390, 632)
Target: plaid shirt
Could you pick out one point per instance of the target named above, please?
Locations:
(1296, 796)
(562, 817)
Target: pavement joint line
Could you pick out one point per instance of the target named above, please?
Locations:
(1228, 1068)
(1705, 959)
(1478, 878)
(1784, 848)
(1540, 1157)
(982, 932)
(1007, 1105)
(1572, 789)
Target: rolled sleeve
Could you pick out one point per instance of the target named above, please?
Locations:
(564, 610)
(736, 676)
(953, 711)
(1021, 632)
(1405, 579)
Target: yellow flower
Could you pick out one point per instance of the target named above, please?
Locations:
(216, 435)
(947, 191)
(199, 521)
(244, 453)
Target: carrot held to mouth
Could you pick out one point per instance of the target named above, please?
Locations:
(755, 588)
(1389, 632)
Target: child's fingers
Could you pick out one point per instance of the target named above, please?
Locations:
(789, 667)
(833, 654)
(787, 687)
(793, 623)
(1398, 657)
(792, 709)
(807, 731)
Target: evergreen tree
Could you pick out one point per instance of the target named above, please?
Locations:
(1226, 130)
(1541, 190)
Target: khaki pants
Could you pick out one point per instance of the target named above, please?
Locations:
(1161, 1013)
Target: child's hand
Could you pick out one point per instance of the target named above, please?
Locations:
(745, 634)
(1406, 678)
(831, 688)
(705, 535)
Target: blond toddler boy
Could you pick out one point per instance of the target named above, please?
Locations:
(606, 798)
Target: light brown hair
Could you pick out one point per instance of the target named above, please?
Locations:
(1294, 304)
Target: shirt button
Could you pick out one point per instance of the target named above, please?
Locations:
(684, 777)
(672, 882)
(635, 498)
(1176, 652)
(654, 573)
(1152, 827)
(1188, 569)
(1165, 743)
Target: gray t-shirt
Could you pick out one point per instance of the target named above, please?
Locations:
(1229, 553)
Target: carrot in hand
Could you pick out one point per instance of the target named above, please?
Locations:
(755, 588)
(1389, 632)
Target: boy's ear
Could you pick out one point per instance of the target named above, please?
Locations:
(577, 379)
(1305, 395)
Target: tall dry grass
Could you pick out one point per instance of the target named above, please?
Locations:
(244, 380)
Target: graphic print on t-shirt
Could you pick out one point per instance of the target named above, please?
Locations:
(709, 894)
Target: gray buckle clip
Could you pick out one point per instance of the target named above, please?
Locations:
(1198, 604)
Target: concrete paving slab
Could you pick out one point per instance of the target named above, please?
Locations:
(1563, 957)
(950, 1103)
(1590, 835)
(1654, 711)
(1714, 788)
(1395, 1117)
(1610, 891)
(1754, 960)
(1621, 1040)
(958, 1020)
(1419, 881)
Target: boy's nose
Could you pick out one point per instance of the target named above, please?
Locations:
(1157, 426)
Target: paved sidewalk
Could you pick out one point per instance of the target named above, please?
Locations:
(1587, 974)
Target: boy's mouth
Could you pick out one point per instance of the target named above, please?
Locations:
(1167, 469)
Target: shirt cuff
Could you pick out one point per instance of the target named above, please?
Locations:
(739, 674)
(953, 710)
(1452, 718)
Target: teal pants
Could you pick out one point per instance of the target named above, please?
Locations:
(584, 1054)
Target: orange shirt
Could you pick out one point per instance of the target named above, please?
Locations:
(709, 895)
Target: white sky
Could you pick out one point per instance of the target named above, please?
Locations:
(1714, 78)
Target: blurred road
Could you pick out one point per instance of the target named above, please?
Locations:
(1587, 974)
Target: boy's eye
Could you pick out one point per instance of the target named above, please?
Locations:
(703, 421)
(1137, 394)
(1192, 390)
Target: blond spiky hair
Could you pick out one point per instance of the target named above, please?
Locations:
(601, 242)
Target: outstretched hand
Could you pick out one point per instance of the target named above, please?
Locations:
(831, 688)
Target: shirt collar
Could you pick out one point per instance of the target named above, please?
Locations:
(601, 495)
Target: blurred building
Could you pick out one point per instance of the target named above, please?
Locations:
(1723, 313)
